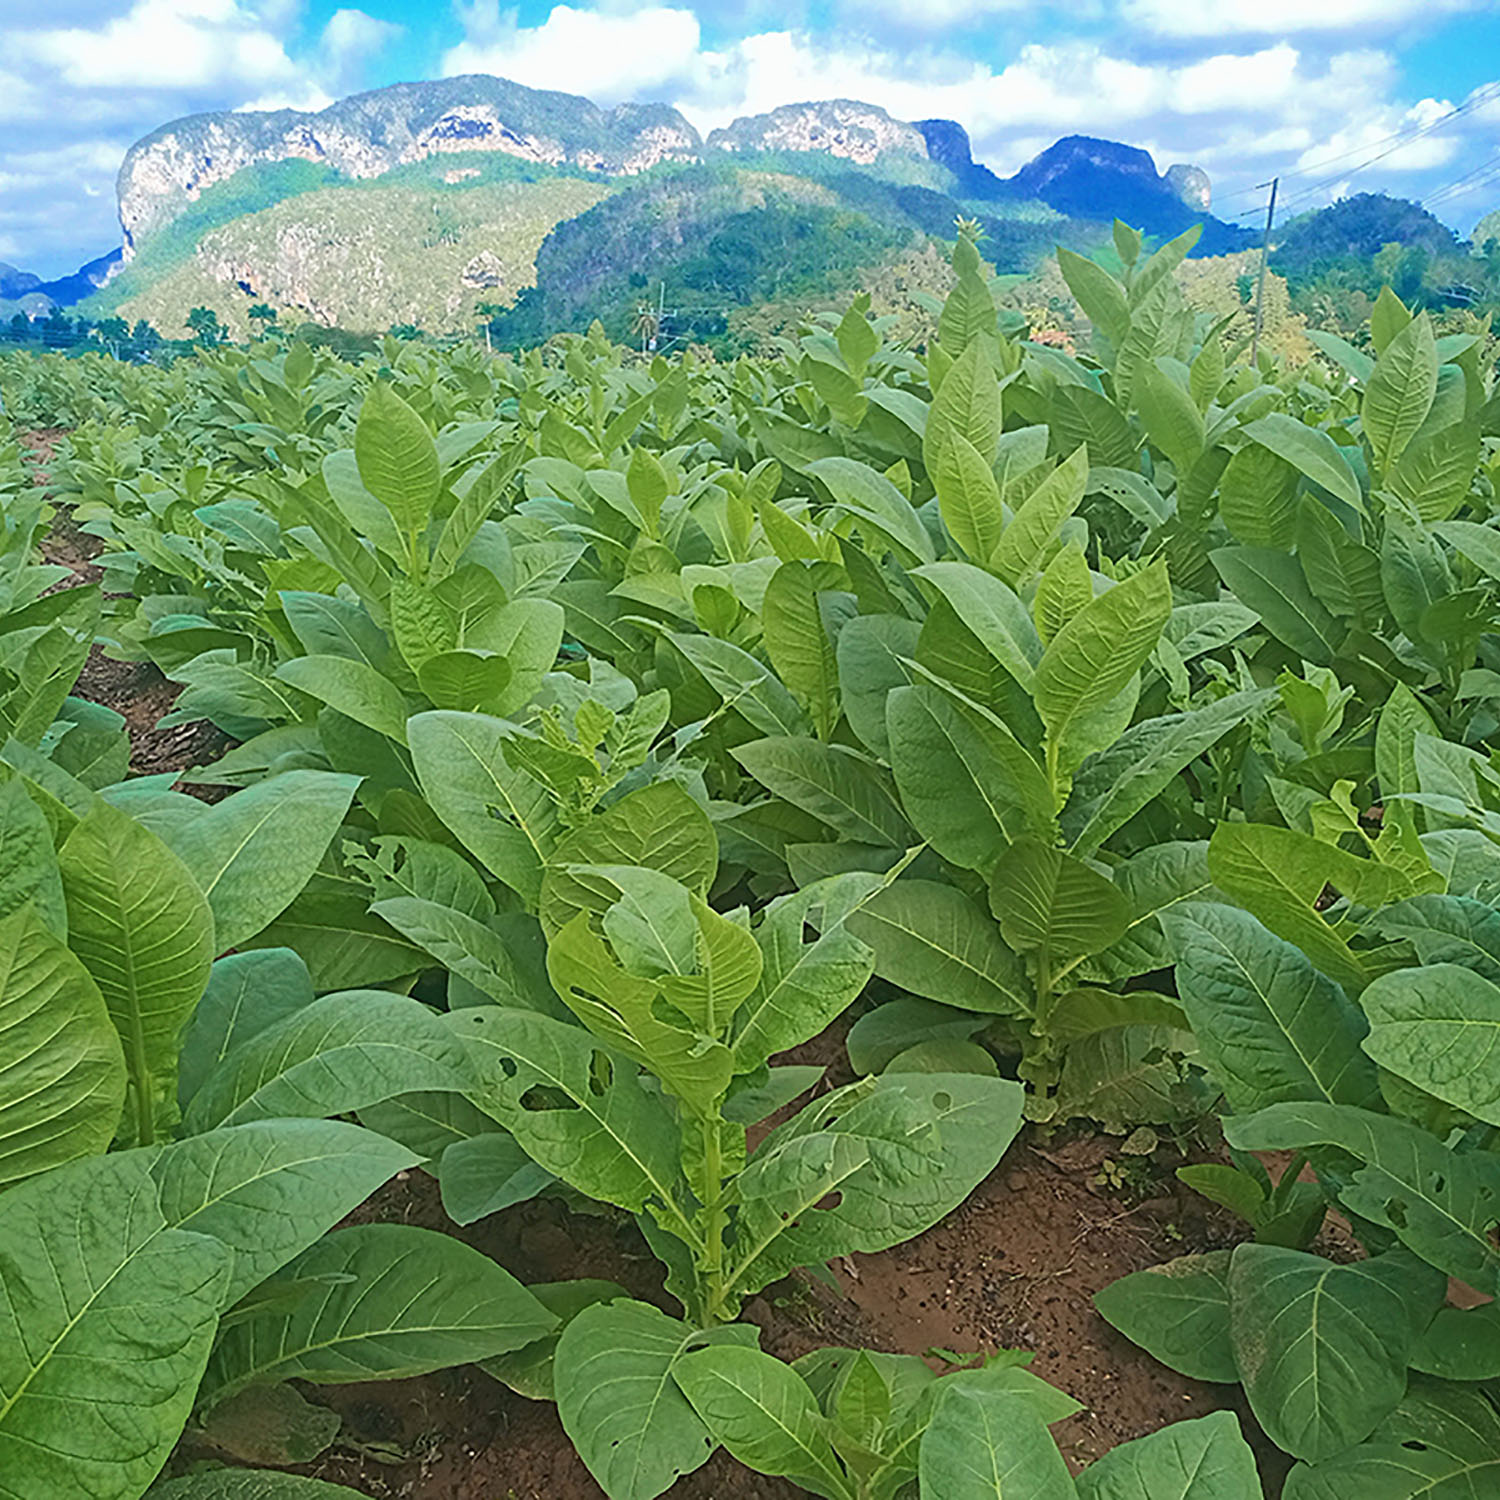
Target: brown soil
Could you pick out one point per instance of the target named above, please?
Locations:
(1015, 1267)
(136, 690)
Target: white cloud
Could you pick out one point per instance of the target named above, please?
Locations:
(165, 44)
(938, 15)
(1221, 18)
(605, 55)
(351, 38)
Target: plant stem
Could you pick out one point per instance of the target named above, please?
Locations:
(712, 1193)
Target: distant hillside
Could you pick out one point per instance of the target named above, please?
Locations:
(424, 202)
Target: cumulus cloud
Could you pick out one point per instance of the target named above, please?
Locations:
(1221, 18)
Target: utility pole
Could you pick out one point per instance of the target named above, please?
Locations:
(1260, 286)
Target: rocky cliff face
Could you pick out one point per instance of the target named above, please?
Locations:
(861, 133)
(369, 134)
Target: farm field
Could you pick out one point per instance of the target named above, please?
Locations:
(912, 919)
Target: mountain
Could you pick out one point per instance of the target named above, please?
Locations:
(423, 202)
(26, 292)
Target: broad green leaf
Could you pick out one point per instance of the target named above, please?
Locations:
(28, 866)
(738, 678)
(254, 851)
(1097, 293)
(1322, 1349)
(1038, 521)
(1093, 657)
(141, 926)
(62, 1071)
(966, 783)
(1066, 586)
(967, 404)
(1272, 583)
(1441, 1204)
(1280, 875)
(384, 1302)
(658, 826)
(1053, 904)
(107, 1315)
(1387, 318)
(619, 1402)
(994, 614)
(1461, 1344)
(762, 1411)
(804, 985)
(1441, 1443)
(1258, 498)
(1179, 1313)
(1203, 1460)
(464, 681)
(901, 1152)
(873, 653)
(397, 458)
(1313, 453)
(1269, 1026)
(485, 1173)
(836, 785)
(1439, 1028)
(1399, 393)
(798, 642)
(1435, 472)
(249, 1484)
(1111, 787)
(990, 1445)
(604, 1135)
(268, 1189)
(870, 496)
(501, 814)
(246, 992)
(1447, 930)
(338, 1054)
(969, 499)
(1172, 419)
(934, 941)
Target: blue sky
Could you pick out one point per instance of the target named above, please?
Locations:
(1311, 89)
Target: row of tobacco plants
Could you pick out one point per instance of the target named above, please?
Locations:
(1112, 732)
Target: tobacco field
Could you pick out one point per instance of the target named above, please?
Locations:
(527, 881)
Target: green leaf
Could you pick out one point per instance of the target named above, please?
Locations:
(1441, 1443)
(619, 1402)
(598, 1130)
(62, 1071)
(1114, 785)
(397, 458)
(485, 1173)
(1309, 451)
(338, 1054)
(1203, 1460)
(1097, 293)
(1053, 904)
(28, 866)
(1441, 1204)
(107, 1315)
(1387, 318)
(873, 653)
(870, 496)
(1258, 498)
(798, 642)
(659, 827)
(990, 1445)
(900, 1151)
(1435, 472)
(1461, 1344)
(1178, 1313)
(354, 688)
(966, 782)
(502, 815)
(268, 1189)
(249, 1484)
(1066, 586)
(246, 992)
(1273, 585)
(992, 612)
(143, 929)
(762, 1411)
(1269, 1026)
(967, 405)
(1447, 930)
(1322, 1349)
(384, 1302)
(1172, 419)
(1438, 1027)
(1038, 521)
(1399, 393)
(754, 690)
(969, 499)
(1094, 656)
(836, 785)
(933, 941)
(254, 851)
